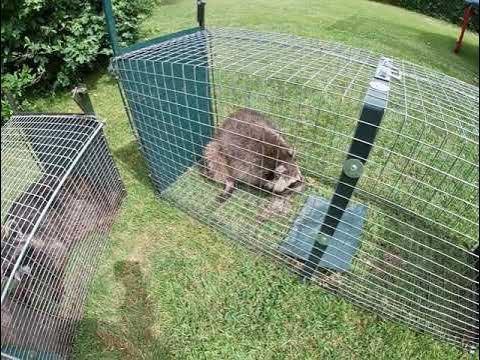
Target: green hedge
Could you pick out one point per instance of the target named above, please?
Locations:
(51, 44)
(449, 10)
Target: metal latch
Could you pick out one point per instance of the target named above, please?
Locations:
(386, 70)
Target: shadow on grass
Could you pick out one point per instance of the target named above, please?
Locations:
(132, 337)
(131, 157)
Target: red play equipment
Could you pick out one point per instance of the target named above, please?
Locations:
(471, 10)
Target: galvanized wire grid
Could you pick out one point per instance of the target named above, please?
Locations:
(60, 193)
(415, 264)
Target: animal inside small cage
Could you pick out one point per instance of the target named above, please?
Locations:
(60, 193)
(358, 171)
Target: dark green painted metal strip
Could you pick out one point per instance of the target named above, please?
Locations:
(362, 143)
(158, 40)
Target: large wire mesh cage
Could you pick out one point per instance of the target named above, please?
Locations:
(359, 172)
(60, 193)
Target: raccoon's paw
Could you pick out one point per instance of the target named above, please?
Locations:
(227, 191)
(222, 198)
(269, 185)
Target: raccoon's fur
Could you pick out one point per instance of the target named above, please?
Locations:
(18, 321)
(75, 212)
(248, 149)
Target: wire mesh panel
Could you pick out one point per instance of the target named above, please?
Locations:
(276, 117)
(60, 193)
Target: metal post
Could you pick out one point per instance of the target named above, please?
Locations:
(80, 95)
(370, 118)
(111, 27)
(468, 13)
(201, 13)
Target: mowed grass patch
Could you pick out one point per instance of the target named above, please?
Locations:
(385, 29)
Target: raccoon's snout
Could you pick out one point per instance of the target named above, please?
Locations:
(285, 183)
(297, 183)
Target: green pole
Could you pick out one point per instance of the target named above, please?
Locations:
(112, 30)
(80, 95)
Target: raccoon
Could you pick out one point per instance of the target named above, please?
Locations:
(11, 249)
(247, 148)
(26, 209)
(41, 269)
(75, 212)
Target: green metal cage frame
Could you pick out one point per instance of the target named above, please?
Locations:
(194, 83)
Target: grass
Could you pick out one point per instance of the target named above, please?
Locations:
(365, 24)
(169, 287)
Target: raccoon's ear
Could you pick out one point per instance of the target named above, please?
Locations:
(292, 152)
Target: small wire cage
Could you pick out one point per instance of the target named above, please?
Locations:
(381, 206)
(60, 193)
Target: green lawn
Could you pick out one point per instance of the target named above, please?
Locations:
(169, 287)
(366, 24)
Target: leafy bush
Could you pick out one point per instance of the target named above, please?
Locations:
(13, 86)
(49, 44)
